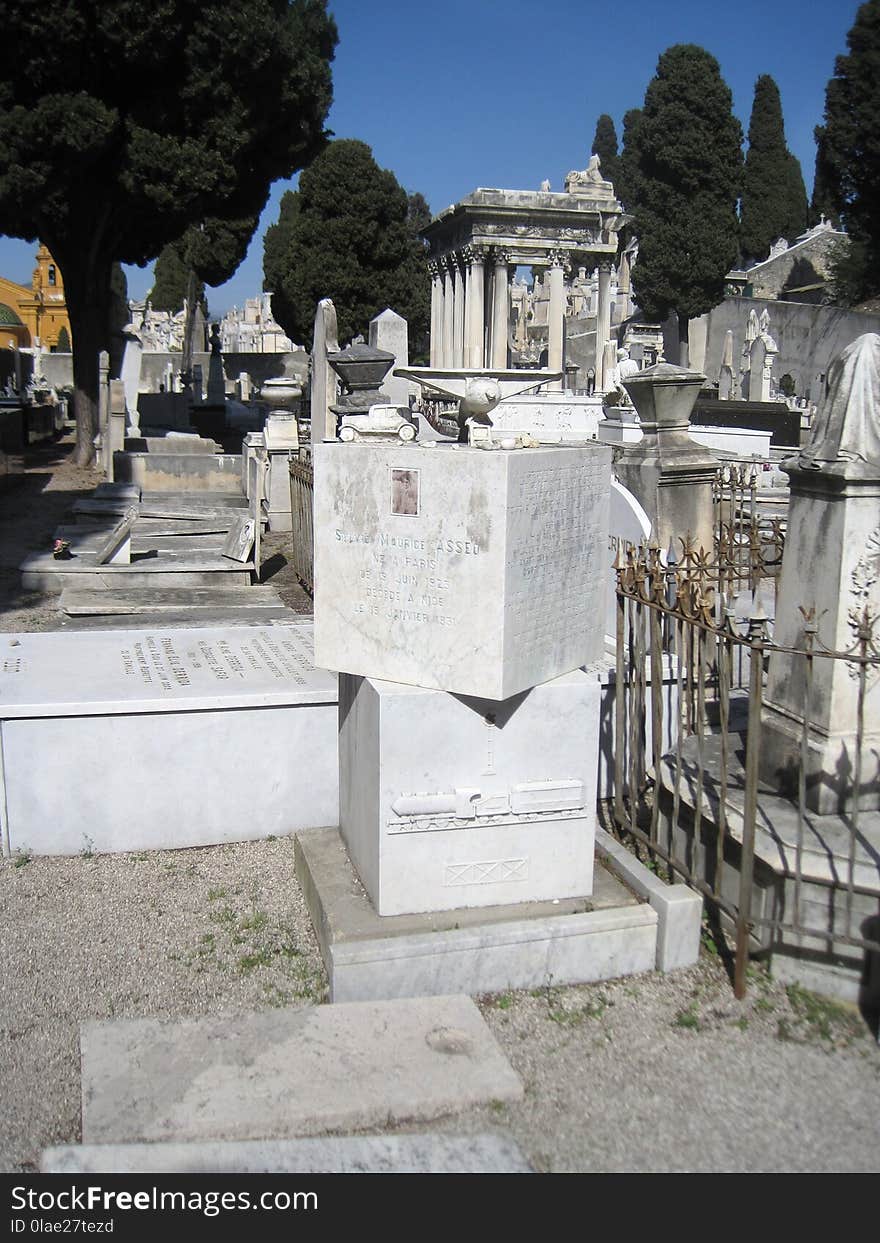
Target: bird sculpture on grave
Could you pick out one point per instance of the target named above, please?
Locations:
(477, 392)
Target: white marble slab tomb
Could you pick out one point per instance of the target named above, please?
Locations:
(137, 739)
(454, 568)
(448, 801)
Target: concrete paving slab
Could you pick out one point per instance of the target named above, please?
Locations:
(336, 1154)
(286, 1073)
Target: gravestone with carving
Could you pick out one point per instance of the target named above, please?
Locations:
(830, 590)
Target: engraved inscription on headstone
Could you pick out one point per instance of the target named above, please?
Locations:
(163, 661)
(458, 569)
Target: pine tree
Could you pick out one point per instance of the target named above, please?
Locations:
(849, 148)
(774, 201)
(605, 146)
(684, 187)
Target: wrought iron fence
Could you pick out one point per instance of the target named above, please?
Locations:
(302, 489)
(783, 876)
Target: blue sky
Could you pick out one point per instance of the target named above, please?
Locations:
(467, 93)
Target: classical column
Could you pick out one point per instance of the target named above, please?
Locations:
(603, 321)
(436, 312)
(624, 289)
(448, 310)
(475, 314)
(500, 311)
(458, 314)
(555, 316)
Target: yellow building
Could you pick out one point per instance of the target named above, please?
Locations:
(41, 309)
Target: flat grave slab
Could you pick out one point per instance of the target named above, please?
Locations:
(159, 739)
(331, 1154)
(284, 1073)
(460, 569)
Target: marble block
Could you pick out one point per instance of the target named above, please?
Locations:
(450, 801)
(156, 739)
(460, 569)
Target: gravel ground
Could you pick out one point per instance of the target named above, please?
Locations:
(650, 1073)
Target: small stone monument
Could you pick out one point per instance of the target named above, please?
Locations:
(324, 382)
(669, 473)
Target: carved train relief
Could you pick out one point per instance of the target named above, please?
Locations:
(468, 807)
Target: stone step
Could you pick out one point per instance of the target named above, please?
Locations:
(335, 1154)
(288, 1073)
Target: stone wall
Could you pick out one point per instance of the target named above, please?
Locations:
(808, 337)
(800, 267)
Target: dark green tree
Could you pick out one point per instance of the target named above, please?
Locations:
(146, 119)
(774, 201)
(276, 242)
(629, 161)
(824, 178)
(171, 281)
(685, 189)
(849, 147)
(349, 238)
(605, 146)
(418, 213)
(63, 345)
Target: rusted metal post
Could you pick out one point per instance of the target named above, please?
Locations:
(750, 808)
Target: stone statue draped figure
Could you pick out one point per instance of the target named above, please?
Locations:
(847, 426)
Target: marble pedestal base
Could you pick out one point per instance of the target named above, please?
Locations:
(449, 801)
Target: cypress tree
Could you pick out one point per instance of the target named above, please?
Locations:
(170, 279)
(629, 161)
(824, 178)
(605, 146)
(686, 183)
(348, 238)
(849, 148)
(774, 201)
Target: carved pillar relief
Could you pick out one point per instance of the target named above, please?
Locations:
(448, 310)
(500, 309)
(556, 315)
(458, 312)
(436, 312)
(603, 321)
(475, 311)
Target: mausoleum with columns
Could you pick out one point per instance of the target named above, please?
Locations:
(476, 245)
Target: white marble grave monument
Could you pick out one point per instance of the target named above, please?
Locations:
(460, 569)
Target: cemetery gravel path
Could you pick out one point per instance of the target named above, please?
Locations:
(650, 1073)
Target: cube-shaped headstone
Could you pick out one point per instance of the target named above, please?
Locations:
(451, 801)
(460, 569)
